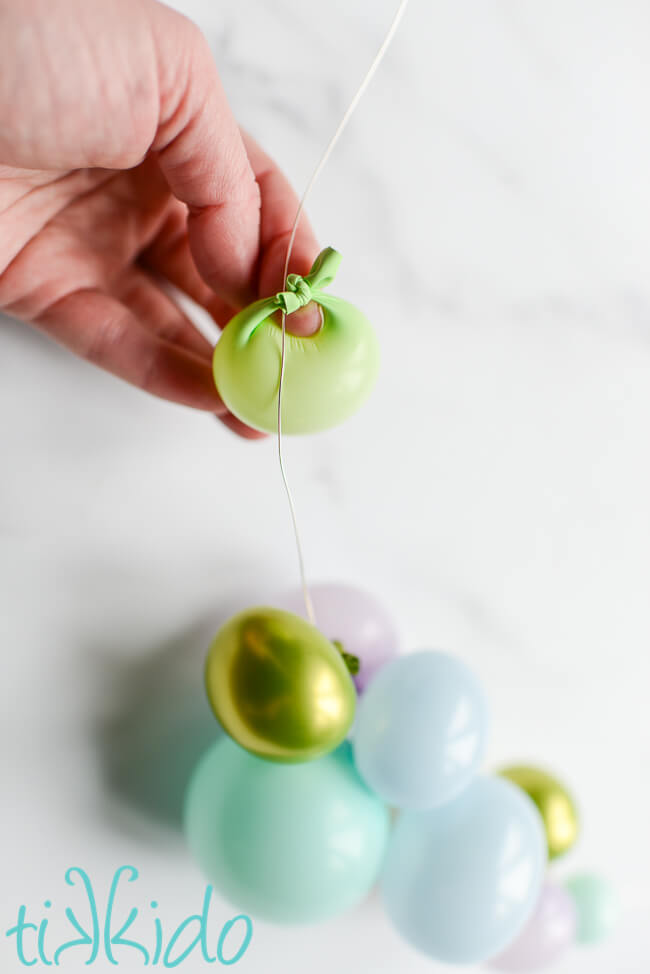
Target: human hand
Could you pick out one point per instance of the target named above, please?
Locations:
(121, 169)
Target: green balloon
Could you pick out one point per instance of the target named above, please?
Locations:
(286, 843)
(596, 907)
(327, 375)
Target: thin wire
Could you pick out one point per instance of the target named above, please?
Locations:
(316, 173)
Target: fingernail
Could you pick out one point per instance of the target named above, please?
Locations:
(306, 321)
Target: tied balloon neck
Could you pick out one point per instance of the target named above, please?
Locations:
(301, 290)
(352, 662)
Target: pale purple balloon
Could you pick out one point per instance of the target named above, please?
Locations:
(548, 934)
(353, 617)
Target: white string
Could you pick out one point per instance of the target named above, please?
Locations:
(316, 173)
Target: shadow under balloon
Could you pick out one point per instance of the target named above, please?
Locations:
(158, 726)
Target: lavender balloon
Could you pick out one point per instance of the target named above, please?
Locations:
(353, 618)
(549, 933)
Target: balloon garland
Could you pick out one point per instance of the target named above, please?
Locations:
(290, 820)
(328, 728)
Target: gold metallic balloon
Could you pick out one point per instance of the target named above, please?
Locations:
(278, 686)
(555, 805)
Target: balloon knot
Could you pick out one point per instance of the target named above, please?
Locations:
(297, 295)
(353, 663)
(301, 290)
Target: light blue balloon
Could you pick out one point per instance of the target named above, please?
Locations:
(461, 881)
(289, 843)
(596, 906)
(420, 730)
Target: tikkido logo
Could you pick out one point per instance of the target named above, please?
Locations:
(104, 938)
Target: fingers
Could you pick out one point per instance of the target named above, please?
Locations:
(159, 313)
(279, 205)
(105, 332)
(241, 207)
(202, 156)
(170, 257)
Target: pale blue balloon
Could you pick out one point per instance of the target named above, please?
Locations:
(289, 843)
(420, 730)
(461, 881)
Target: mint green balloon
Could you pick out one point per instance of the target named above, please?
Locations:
(327, 376)
(596, 907)
(289, 843)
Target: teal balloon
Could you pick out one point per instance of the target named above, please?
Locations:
(288, 843)
(596, 906)
(461, 881)
(420, 730)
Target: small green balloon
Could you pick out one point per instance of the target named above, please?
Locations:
(278, 686)
(285, 843)
(596, 907)
(554, 803)
(328, 375)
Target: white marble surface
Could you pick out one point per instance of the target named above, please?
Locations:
(492, 202)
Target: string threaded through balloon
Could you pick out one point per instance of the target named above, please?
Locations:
(316, 173)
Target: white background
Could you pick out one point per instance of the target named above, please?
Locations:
(492, 202)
